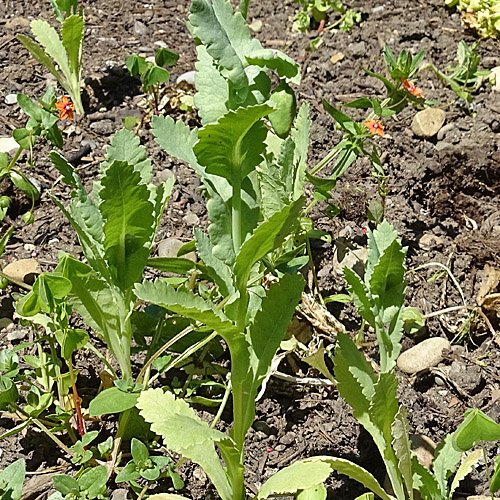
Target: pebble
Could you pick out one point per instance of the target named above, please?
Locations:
(358, 49)
(104, 127)
(140, 28)
(8, 145)
(440, 145)
(165, 174)
(430, 242)
(495, 126)
(11, 99)
(423, 355)
(169, 248)
(23, 270)
(288, 438)
(444, 130)
(191, 219)
(426, 123)
(188, 77)
(424, 448)
(16, 335)
(119, 494)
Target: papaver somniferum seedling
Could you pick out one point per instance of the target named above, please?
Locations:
(61, 55)
(239, 156)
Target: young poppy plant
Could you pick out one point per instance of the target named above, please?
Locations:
(65, 107)
(374, 127)
(411, 88)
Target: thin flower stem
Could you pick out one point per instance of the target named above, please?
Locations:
(53, 437)
(222, 406)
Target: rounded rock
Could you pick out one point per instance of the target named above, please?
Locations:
(422, 356)
(428, 122)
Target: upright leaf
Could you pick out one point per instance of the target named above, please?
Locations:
(276, 60)
(219, 43)
(72, 37)
(402, 448)
(47, 36)
(129, 222)
(267, 237)
(264, 337)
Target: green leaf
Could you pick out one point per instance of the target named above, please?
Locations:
(126, 146)
(264, 336)
(8, 393)
(495, 477)
(317, 492)
(207, 20)
(476, 427)
(184, 432)
(128, 473)
(424, 482)
(139, 451)
(359, 293)
(93, 481)
(235, 143)
(24, 137)
(401, 446)
(11, 480)
(165, 57)
(176, 265)
(283, 100)
(218, 270)
(24, 184)
(48, 38)
(212, 92)
(38, 53)
(155, 75)
(266, 238)
(66, 484)
(185, 302)
(446, 458)
(72, 340)
(5, 239)
(300, 136)
(308, 473)
(29, 107)
(112, 400)
(72, 39)
(464, 470)
(276, 60)
(129, 222)
(69, 174)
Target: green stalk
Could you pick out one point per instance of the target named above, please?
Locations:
(236, 210)
(243, 7)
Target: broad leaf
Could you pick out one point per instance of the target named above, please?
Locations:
(185, 433)
(402, 448)
(300, 136)
(11, 479)
(446, 458)
(219, 43)
(476, 427)
(308, 476)
(284, 65)
(129, 222)
(212, 92)
(218, 270)
(359, 293)
(112, 400)
(234, 145)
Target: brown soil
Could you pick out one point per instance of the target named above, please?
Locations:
(448, 189)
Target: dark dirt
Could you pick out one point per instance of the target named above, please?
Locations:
(444, 201)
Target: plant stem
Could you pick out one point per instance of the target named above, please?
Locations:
(243, 7)
(122, 425)
(15, 158)
(236, 210)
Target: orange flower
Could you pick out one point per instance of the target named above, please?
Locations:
(65, 107)
(375, 127)
(411, 88)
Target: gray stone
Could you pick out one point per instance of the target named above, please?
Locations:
(11, 99)
(188, 77)
(422, 356)
(119, 494)
(357, 49)
(426, 123)
(104, 127)
(8, 145)
(16, 335)
(169, 248)
(140, 28)
(191, 219)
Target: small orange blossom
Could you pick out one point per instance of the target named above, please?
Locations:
(65, 107)
(375, 127)
(411, 88)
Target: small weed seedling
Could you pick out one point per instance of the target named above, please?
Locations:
(152, 74)
(65, 50)
(318, 10)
